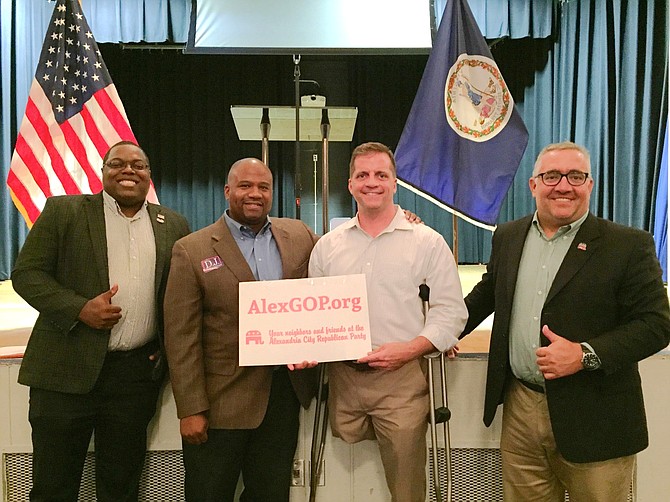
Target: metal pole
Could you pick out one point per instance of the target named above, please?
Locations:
(265, 137)
(325, 131)
(437, 486)
(321, 417)
(296, 171)
(454, 233)
(318, 433)
(445, 425)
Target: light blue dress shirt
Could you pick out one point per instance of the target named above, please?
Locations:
(259, 249)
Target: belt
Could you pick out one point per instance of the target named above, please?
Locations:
(532, 386)
(146, 349)
(359, 366)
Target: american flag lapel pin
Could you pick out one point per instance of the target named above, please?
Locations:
(581, 246)
(160, 218)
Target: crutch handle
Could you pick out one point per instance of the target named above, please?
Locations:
(424, 292)
(442, 414)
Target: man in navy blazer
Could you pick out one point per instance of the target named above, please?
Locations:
(95, 267)
(578, 301)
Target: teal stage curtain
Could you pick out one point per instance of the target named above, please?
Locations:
(594, 72)
(606, 88)
(509, 18)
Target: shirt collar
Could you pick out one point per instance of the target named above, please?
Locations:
(239, 229)
(569, 229)
(113, 205)
(399, 222)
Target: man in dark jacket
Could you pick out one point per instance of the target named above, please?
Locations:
(578, 301)
(95, 267)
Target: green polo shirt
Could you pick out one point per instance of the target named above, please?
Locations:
(540, 260)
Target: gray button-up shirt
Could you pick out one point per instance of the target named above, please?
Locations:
(131, 258)
(540, 261)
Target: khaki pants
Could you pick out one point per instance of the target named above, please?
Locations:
(391, 407)
(533, 468)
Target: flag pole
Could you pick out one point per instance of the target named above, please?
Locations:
(454, 233)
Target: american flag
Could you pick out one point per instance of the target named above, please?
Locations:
(73, 116)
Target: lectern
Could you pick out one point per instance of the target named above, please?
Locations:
(278, 123)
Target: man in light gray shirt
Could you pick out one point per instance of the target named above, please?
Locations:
(95, 267)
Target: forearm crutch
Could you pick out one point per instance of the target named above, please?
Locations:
(438, 415)
(318, 433)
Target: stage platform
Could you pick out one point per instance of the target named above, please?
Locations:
(16, 321)
(17, 317)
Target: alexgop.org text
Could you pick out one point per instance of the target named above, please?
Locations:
(306, 304)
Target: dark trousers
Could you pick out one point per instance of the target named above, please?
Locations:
(264, 455)
(118, 410)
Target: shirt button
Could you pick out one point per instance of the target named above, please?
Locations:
(535, 318)
(539, 292)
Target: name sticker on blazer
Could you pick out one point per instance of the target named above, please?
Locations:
(211, 263)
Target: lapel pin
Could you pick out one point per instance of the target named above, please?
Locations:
(160, 218)
(581, 246)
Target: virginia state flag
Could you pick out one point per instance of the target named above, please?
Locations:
(463, 139)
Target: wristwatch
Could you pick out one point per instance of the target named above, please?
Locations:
(590, 360)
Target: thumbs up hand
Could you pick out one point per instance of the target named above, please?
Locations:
(99, 312)
(560, 358)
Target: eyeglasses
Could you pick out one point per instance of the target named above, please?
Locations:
(135, 165)
(553, 178)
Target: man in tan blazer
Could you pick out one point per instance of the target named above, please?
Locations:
(234, 419)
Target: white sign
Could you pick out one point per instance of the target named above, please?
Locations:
(294, 320)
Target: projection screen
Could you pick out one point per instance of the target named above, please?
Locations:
(310, 26)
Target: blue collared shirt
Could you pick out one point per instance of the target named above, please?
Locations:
(259, 249)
